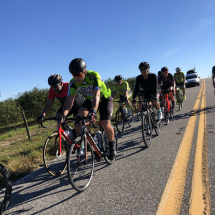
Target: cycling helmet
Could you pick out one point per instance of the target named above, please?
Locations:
(178, 69)
(163, 69)
(159, 72)
(144, 65)
(54, 79)
(77, 65)
(118, 78)
(213, 69)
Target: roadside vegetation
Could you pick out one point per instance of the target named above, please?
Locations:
(20, 155)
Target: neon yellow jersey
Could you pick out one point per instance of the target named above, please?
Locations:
(91, 82)
(179, 78)
(121, 89)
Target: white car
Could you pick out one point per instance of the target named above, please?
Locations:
(192, 80)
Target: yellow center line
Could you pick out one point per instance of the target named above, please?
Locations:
(199, 204)
(173, 194)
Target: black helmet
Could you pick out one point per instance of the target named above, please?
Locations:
(118, 78)
(159, 72)
(54, 79)
(144, 65)
(163, 69)
(213, 69)
(77, 65)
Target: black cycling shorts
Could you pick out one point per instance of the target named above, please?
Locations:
(105, 108)
(179, 84)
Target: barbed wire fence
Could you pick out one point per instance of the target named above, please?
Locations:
(12, 120)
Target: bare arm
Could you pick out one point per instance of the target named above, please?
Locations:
(48, 106)
(68, 104)
(96, 99)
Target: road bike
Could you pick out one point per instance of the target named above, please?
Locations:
(80, 166)
(149, 116)
(168, 109)
(5, 188)
(180, 97)
(58, 155)
(56, 148)
(122, 117)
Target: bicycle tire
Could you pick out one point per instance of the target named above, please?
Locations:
(5, 188)
(131, 118)
(166, 116)
(146, 138)
(156, 124)
(119, 121)
(106, 146)
(55, 164)
(77, 163)
(179, 100)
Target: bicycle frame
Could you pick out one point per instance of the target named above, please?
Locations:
(166, 101)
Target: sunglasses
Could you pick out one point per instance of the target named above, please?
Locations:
(142, 69)
(55, 86)
(77, 75)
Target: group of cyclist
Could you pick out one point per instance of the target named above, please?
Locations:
(86, 93)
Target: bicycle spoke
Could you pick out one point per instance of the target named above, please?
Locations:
(80, 167)
(119, 121)
(55, 163)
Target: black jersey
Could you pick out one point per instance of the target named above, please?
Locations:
(148, 86)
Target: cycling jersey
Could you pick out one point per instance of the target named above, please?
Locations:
(167, 82)
(91, 82)
(179, 78)
(148, 86)
(79, 99)
(121, 89)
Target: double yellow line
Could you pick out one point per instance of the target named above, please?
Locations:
(173, 194)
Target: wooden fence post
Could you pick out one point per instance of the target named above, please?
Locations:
(26, 125)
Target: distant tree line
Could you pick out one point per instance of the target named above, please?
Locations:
(32, 103)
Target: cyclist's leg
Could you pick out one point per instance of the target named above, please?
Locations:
(177, 86)
(84, 111)
(74, 111)
(106, 111)
(172, 98)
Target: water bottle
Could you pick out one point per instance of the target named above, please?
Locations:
(99, 138)
(125, 111)
(95, 139)
(69, 134)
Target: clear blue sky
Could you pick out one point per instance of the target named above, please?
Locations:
(41, 37)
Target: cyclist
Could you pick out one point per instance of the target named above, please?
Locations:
(59, 90)
(168, 82)
(179, 78)
(159, 88)
(97, 95)
(213, 76)
(124, 91)
(146, 83)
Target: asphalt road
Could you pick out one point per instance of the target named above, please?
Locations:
(135, 183)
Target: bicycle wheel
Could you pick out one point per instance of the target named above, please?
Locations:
(179, 100)
(106, 146)
(166, 116)
(5, 188)
(157, 124)
(54, 163)
(119, 121)
(131, 118)
(146, 137)
(80, 168)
